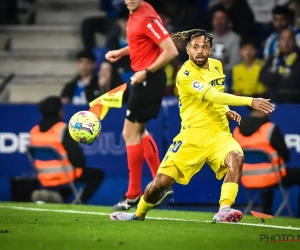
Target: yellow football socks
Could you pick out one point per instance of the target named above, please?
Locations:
(143, 208)
(229, 192)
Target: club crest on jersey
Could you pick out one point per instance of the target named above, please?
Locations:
(187, 72)
(197, 85)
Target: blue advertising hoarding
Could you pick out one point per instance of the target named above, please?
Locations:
(109, 152)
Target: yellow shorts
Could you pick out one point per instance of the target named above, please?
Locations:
(192, 148)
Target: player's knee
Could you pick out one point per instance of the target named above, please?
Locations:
(130, 135)
(126, 134)
(238, 160)
(156, 186)
(144, 133)
(160, 183)
(235, 160)
(132, 132)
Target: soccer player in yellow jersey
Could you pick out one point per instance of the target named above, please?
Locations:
(204, 136)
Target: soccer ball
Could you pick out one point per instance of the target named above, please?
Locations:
(84, 127)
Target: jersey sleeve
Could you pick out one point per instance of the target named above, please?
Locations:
(192, 86)
(154, 28)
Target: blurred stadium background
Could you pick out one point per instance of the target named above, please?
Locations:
(39, 41)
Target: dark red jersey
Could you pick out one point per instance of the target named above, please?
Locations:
(145, 32)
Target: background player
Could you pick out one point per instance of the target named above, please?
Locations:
(205, 136)
(150, 48)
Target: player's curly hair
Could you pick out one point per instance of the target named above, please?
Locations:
(188, 35)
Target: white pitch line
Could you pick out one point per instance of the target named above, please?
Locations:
(53, 210)
(150, 217)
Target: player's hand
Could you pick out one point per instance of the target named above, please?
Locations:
(113, 55)
(263, 105)
(138, 77)
(233, 116)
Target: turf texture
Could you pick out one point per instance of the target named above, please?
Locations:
(31, 226)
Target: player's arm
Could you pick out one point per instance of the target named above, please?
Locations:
(155, 30)
(169, 51)
(115, 55)
(215, 96)
(124, 51)
(226, 108)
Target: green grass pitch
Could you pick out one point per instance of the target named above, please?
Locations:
(61, 227)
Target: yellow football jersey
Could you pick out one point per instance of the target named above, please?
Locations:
(192, 83)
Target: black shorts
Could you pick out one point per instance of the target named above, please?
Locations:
(145, 98)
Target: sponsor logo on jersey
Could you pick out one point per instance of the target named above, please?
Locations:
(197, 85)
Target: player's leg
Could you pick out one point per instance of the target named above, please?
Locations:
(153, 90)
(150, 152)
(132, 133)
(149, 200)
(143, 105)
(229, 190)
(227, 159)
(146, 107)
(183, 159)
(151, 155)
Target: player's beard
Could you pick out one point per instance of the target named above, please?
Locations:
(199, 64)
